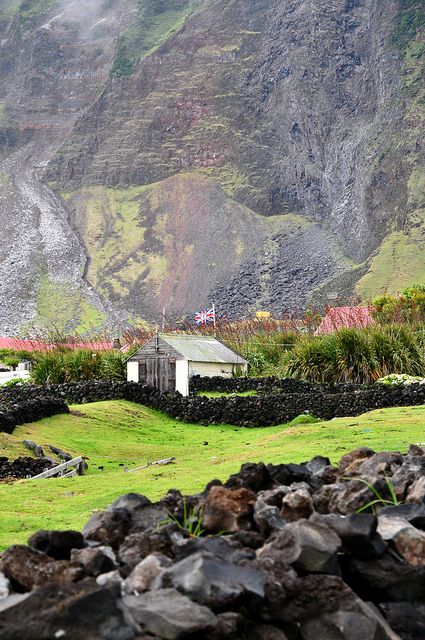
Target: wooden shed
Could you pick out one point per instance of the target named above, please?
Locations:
(168, 361)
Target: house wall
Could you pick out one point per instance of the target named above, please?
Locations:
(133, 371)
(210, 369)
(182, 377)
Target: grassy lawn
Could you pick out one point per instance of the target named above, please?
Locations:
(121, 433)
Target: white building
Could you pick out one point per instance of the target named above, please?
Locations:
(168, 361)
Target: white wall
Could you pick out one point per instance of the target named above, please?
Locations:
(210, 369)
(132, 371)
(182, 377)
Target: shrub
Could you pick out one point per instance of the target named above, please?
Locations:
(265, 351)
(409, 307)
(11, 361)
(357, 355)
(309, 360)
(49, 369)
(113, 366)
(63, 365)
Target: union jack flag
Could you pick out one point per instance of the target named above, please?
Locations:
(203, 317)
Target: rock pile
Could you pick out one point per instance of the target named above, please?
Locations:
(23, 467)
(284, 554)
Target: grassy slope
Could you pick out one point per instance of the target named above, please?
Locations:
(65, 308)
(154, 25)
(111, 433)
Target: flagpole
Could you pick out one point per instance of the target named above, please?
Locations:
(215, 332)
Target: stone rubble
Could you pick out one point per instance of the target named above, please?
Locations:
(282, 555)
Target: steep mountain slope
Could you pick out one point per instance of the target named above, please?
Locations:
(171, 152)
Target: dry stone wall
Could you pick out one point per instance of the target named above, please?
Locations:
(273, 406)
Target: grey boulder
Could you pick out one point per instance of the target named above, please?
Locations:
(213, 582)
(169, 614)
(307, 546)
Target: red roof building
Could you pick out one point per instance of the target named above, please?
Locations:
(345, 318)
(16, 344)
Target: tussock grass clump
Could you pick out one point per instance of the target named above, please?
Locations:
(357, 355)
(60, 366)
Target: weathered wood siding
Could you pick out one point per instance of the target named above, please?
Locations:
(159, 372)
(157, 347)
(155, 365)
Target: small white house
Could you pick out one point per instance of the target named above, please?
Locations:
(168, 361)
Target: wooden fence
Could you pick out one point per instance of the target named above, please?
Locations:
(76, 466)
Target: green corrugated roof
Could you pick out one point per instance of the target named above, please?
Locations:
(200, 348)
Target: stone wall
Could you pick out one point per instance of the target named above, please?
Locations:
(29, 409)
(29, 403)
(270, 385)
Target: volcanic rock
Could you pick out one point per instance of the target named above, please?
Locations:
(413, 466)
(296, 505)
(408, 541)
(412, 512)
(56, 544)
(144, 573)
(4, 586)
(405, 618)
(61, 611)
(169, 614)
(416, 491)
(352, 460)
(357, 532)
(227, 509)
(254, 477)
(27, 568)
(138, 546)
(214, 582)
(95, 560)
(109, 527)
(307, 546)
(388, 578)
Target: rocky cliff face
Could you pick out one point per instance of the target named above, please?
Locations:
(261, 153)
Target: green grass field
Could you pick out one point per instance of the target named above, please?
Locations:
(121, 433)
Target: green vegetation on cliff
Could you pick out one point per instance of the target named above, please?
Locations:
(30, 10)
(8, 8)
(63, 309)
(409, 22)
(157, 20)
